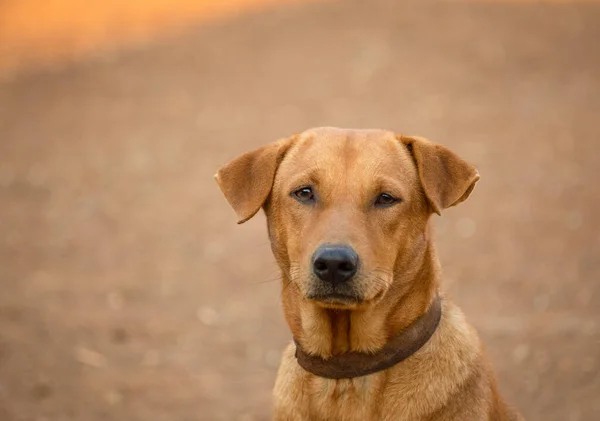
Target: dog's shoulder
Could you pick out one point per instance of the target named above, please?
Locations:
(447, 368)
(451, 378)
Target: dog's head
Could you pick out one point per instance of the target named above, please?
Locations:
(347, 210)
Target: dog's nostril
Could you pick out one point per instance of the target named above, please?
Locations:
(346, 266)
(320, 265)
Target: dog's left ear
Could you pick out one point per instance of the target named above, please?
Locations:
(446, 178)
(246, 181)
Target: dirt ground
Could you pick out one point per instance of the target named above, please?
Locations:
(127, 291)
(41, 33)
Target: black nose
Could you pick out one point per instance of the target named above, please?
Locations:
(335, 264)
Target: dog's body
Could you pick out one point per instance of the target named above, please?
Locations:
(348, 212)
(449, 379)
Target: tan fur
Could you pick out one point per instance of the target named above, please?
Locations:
(447, 379)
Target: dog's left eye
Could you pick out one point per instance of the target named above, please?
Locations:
(305, 194)
(385, 199)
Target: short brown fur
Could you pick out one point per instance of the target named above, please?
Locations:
(449, 378)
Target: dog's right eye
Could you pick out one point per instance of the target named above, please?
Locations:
(305, 194)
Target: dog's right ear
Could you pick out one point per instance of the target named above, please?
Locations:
(246, 181)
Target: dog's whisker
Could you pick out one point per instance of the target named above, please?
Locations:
(266, 281)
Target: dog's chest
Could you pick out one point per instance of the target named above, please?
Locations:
(345, 399)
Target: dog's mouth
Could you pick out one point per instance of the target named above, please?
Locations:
(335, 299)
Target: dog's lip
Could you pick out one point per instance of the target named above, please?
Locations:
(335, 297)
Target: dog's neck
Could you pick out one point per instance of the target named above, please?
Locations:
(326, 332)
(352, 364)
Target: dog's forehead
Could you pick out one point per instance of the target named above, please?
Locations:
(323, 136)
(330, 147)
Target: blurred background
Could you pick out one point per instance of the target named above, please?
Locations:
(128, 292)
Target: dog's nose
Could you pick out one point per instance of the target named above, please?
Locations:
(335, 264)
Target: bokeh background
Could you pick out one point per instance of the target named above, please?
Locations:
(127, 291)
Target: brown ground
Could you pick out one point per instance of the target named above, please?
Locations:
(129, 293)
(49, 33)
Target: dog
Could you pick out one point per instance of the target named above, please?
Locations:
(348, 220)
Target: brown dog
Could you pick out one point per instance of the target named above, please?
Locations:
(347, 213)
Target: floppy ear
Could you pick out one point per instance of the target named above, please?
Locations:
(246, 181)
(446, 178)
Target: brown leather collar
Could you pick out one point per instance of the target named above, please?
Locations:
(355, 364)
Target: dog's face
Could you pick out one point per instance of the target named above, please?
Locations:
(347, 210)
(344, 209)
